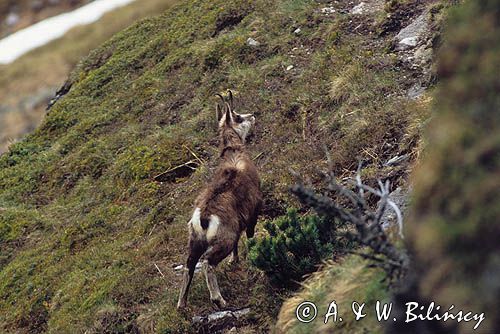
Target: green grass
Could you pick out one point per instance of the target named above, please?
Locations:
(345, 282)
(83, 220)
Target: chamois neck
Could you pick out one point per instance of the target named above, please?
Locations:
(230, 141)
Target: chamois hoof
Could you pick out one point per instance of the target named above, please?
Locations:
(181, 305)
(234, 260)
(221, 303)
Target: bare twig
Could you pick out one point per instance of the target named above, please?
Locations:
(158, 268)
(399, 217)
(151, 232)
(258, 155)
(194, 154)
(369, 230)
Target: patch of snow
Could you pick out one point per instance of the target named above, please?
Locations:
(17, 44)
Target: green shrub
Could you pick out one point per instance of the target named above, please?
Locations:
(295, 246)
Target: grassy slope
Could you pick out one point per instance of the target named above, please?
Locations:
(344, 282)
(27, 83)
(81, 222)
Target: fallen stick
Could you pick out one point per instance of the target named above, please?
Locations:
(157, 268)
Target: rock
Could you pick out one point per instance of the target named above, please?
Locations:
(414, 93)
(359, 9)
(297, 31)
(12, 19)
(411, 35)
(407, 43)
(40, 97)
(328, 10)
(423, 55)
(368, 7)
(252, 42)
(397, 159)
(219, 320)
(289, 67)
(36, 5)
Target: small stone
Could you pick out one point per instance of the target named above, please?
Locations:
(328, 10)
(413, 93)
(410, 36)
(289, 67)
(297, 31)
(408, 43)
(12, 19)
(36, 5)
(359, 9)
(252, 42)
(423, 55)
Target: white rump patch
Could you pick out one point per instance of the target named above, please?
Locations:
(213, 227)
(195, 222)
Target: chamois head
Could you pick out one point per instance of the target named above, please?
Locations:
(228, 118)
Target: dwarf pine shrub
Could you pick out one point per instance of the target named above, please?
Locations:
(295, 246)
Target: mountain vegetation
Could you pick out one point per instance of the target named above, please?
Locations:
(90, 242)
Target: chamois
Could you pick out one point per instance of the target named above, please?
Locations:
(228, 205)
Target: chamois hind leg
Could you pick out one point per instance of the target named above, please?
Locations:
(196, 250)
(214, 255)
(234, 255)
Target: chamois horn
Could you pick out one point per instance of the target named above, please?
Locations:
(230, 94)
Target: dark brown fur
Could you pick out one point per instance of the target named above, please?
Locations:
(234, 197)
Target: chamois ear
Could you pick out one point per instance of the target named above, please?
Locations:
(229, 116)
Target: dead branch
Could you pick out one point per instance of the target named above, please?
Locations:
(367, 222)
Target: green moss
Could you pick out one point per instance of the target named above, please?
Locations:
(344, 282)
